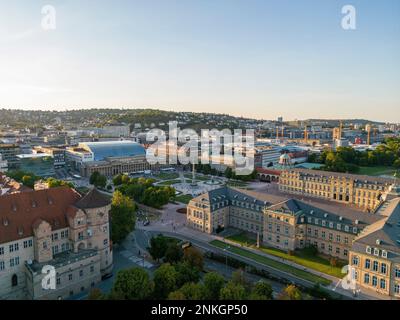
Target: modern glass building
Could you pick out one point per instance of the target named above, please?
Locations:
(113, 149)
(40, 164)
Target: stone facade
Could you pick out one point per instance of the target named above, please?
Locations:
(57, 228)
(290, 224)
(361, 191)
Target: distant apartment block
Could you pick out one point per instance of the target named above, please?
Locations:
(9, 153)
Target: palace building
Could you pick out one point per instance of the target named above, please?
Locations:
(57, 229)
(365, 192)
(289, 224)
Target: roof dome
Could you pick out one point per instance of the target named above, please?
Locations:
(285, 160)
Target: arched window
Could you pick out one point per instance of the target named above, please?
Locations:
(14, 280)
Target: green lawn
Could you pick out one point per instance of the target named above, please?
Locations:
(272, 263)
(168, 182)
(238, 184)
(301, 257)
(167, 175)
(377, 171)
(184, 198)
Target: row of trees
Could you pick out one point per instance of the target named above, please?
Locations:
(144, 191)
(180, 278)
(346, 159)
(29, 179)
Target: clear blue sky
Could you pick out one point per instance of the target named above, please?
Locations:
(259, 58)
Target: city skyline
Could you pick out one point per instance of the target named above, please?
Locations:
(261, 59)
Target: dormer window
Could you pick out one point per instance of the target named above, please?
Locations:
(368, 250)
(384, 254)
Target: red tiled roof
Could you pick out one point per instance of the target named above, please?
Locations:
(20, 211)
(269, 171)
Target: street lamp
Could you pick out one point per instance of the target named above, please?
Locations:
(226, 258)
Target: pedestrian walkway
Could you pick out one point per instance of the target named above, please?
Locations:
(137, 260)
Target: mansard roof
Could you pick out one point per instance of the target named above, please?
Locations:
(20, 211)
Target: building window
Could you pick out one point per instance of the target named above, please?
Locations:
(81, 273)
(70, 277)
(397, 272)
(105, 242)
(383, 284)
(366, 278)
(91, 268)
(383, 268)
(374, 281)
(2, 265)
(367, 264)
(397, 288)
(58, 281)
(345, 252)
(375, 266)
(355, 260)
(14, 280)
(1, 251)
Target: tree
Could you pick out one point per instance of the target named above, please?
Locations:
(158, 247)
(194, 257)
(186, 273)
(333, 261)
(96, 294)
(132, 284)
(232, 291)
(262, 291)
(93, 177)
(117, 180)
(192, 291)
(291, 292)
(213, 283)
(176, 295)
(164, 281)
(123, 217)
(98, 180)
(54, 183)
(174, 253)
(29, 181)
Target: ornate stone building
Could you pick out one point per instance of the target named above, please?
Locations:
(290, 224)
(365, 192)
(54, 243)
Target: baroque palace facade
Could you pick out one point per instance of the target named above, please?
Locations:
(57, 228)
(362, 191)
(289, 224)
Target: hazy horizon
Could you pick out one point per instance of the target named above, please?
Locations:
(258, 59)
